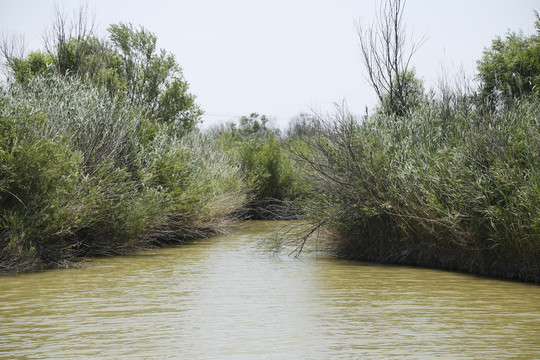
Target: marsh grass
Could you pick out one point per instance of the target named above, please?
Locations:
(447, 187)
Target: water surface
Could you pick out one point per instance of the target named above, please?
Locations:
(226, 298)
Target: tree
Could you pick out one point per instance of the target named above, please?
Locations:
(254, 124)
(23, 70)
(405, 97)
(387, 59)
(153, 79)
(128, 65)
(510, 68)
(70, 49)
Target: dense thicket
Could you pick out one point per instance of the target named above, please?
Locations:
(453, 182)
(458, 192)
(275, 189)
(99, 153)
(84, 174)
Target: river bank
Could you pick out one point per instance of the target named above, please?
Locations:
(424, 254)
(83, 173)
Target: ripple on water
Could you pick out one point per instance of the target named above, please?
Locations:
(225, 298)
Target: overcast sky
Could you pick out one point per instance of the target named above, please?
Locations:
(283, 57)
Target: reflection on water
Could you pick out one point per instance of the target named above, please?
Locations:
(225, 298)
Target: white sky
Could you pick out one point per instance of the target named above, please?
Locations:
(283, 57)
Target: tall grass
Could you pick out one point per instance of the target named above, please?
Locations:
(83, 174)
(453, 188)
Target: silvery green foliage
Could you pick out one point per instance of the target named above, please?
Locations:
(89, 120)
(84, 174)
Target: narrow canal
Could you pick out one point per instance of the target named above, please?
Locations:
(228, 298)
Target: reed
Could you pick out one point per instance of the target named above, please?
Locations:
(454, 188)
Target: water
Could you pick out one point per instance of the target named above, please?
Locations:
(225, 298)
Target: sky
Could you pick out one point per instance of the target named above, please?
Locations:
(281, 58)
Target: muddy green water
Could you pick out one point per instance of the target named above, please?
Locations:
(226, 298)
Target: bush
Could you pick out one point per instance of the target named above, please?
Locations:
(457, 192)
(38, 179)
(82, 174)
(269, 172)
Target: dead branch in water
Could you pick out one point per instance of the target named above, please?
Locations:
(295, 235)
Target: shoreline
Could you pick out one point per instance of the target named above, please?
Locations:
(475, 262)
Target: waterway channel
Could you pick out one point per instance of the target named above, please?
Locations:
(227, 298)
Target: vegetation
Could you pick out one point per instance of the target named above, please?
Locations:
(458, 193)
(81, 176)
(387, 59)
(510, 69)
(275, 188)
(100, 154)
(127, 65)
(451, 182)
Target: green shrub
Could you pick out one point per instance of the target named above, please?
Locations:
(270, 174)
(456, 191)
(38, 181)
(82, 174)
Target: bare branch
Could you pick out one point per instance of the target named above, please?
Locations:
(12, 46)
(385, 55)
(67, 41)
